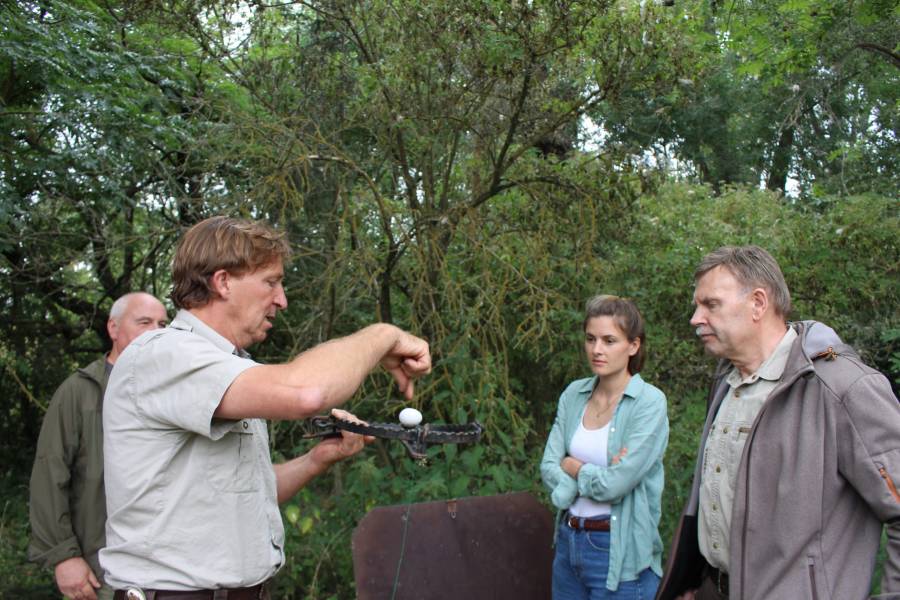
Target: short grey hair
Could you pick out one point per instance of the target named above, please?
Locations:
(753, 267)
(121, 305)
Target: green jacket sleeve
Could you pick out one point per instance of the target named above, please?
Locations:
(52, 537)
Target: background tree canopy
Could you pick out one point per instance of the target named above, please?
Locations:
(469, 170)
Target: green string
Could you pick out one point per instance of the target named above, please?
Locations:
(402, 550)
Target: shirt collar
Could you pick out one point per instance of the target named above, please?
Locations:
(773, 367)
(633, 389)
(188, 321)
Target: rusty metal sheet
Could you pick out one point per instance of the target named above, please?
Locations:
(480, 548)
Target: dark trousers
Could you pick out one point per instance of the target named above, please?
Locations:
(709, 590)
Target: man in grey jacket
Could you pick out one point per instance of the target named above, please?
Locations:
(795, 478)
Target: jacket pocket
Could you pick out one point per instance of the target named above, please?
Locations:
(811, 570)
(889, 482)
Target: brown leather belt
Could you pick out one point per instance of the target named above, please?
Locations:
(257, 592)
(581, 524)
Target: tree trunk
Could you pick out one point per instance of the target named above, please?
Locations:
(781, 160)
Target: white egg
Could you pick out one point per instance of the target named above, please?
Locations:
(410, 417)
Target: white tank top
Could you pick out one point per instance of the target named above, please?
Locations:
(589, 446)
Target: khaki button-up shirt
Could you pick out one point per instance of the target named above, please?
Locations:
(192, 499)
(725, 445)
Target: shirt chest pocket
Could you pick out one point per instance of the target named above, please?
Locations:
(232, 460)
(737, 439)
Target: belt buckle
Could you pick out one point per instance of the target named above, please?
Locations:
(135, 594)
(573, 522)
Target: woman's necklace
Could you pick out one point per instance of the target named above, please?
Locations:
(600, 412)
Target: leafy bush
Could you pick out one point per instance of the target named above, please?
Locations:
(508, 341)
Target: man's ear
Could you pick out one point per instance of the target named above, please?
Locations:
(220, 282)
(112, 328)
(759, 299)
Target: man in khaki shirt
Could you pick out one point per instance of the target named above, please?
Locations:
(795, 479)
(747, 328)
(191, 491)
(724, 447)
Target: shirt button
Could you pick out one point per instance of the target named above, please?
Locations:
(715, 546)
(246, 424)
(718, 469)
(611, 429)
(725, 430)
(715, 508)
(737, 394)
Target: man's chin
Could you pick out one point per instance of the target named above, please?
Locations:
(259, 336)
(712, 348)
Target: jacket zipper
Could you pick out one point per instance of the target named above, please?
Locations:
(810, 564)
(890, 483)
(747, 445)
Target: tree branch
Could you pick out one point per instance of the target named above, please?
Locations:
(887, 52)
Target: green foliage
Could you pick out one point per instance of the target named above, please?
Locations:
(651, 261)
(798, 94)
(24, 580)
(427, 163)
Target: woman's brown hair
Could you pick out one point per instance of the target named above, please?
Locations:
(627, 317)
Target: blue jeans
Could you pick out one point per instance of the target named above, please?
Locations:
(581, 564)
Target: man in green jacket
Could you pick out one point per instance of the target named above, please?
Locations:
(68, 505)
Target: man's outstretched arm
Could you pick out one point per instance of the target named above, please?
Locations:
(327, 375)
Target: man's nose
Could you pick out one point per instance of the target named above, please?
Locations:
(280, 298)
(697, 318)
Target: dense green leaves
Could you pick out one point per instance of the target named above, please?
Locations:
(799, 95)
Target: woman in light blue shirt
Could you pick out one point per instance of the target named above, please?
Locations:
(603, 465)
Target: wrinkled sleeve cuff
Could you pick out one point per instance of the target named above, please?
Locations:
(586, 475)
(564, 493)
(51, 557)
